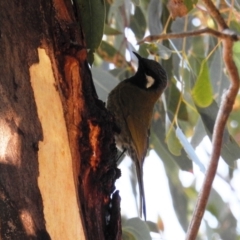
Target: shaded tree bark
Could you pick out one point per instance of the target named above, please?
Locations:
(57, 151)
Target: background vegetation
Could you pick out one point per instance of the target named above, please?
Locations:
(184, 117)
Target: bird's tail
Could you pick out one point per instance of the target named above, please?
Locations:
(142, 201)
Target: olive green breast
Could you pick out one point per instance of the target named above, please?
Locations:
(133, 107)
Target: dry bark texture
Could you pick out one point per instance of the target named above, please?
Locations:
(45, 34)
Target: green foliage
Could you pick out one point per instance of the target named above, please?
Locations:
(190, 4)
(138, 23)
(110, 31)
(236, 54)
(174, 146)
(135, 229)
(92, 16)
(202, 90)
(197, 82)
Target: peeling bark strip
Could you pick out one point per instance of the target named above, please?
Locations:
(90, 134)
(57, 151)
(55, 180)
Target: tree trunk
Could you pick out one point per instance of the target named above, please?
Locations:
(57, 151)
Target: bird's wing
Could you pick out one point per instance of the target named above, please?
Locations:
(137, 114)
(137, 117)
(140, 137)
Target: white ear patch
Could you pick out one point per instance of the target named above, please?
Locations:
(150, 81)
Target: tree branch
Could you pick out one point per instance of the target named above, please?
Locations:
(224, 111)
(223, 114)
(221, 35)
(215, 14)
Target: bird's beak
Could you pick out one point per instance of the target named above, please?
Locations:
(138, 56)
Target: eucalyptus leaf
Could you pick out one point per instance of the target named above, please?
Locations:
(143, 50)
(154, 12)
(173, 97)
(189, 4)
(173, 143)
(110, 54)
(111, 31)
(179, 198)
(234, 25)
(138, 23)
(115, 13)
(157, 140)
(136, 2)
(189, 149)
(227, 222)
(92, 15)
(152, 226)
(219, 79)
(164, 52)
(199, 133)
(121, 73)
(236, 54)
(104, 82)
(202, 90)
(230, 149)
(135, 229)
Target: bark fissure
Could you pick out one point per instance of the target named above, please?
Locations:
(42, 59)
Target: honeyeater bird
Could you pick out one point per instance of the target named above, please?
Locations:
(132, 102)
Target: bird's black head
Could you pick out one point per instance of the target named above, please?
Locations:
(150, 74)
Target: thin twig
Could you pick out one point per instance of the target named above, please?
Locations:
(222, 117)
(221, 35)
(214, 12)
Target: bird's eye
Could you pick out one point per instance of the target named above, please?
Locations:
(150, 81)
